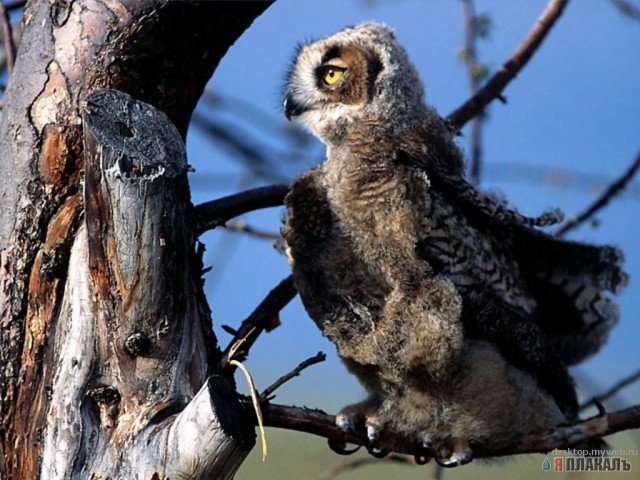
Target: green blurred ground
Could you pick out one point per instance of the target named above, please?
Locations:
(296, 456)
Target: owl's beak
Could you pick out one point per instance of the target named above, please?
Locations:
(292, 108)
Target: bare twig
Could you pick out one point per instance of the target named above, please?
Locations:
(9, 6)
(470, 59)
(258, 321)
(319, 423)
(352, 464)
(317, 358)
(625, 382)
(497, 83)
(627, 9)
(9, 46)
(241, 227)
(242, 144)
(557, 178)
(437, 472)
(604, 199)
(212, 214)
(244, 108)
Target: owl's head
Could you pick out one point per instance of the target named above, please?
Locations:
(358, 76)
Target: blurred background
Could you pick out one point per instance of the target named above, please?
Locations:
(570, 128)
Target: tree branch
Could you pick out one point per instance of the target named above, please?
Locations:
(9, 6)
(319, 357)
(133, 289)
(494, 87)
(259, 320)
(603, 200)
(627, 9)
(471, 62)
(321, 424)
(241, 227)
(160, 52)
(241, 144)
(625, 382)
(212, 214)
(9, 46)
(352, 464)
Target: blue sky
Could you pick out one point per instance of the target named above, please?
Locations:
(575, 107)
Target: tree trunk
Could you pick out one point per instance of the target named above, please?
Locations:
(105, 333)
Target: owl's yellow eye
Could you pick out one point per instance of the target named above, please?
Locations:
(331, 75)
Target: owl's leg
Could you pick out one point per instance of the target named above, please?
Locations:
(424, 333)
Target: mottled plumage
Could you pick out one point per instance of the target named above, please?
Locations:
(457, 315)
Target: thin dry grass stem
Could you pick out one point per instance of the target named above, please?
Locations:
(256, 405)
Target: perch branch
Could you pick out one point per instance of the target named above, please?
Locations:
(321, 424)
(625, 382)
(257, 322)
(319, 357)
(497, 83)
(9, 46)
(613, 189)
(212, 214)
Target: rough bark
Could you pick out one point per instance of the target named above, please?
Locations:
(160, 52)
(131, 348)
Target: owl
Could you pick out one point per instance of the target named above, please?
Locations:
(459, 315)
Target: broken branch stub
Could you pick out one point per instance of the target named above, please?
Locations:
(136, 199)
(135, 351)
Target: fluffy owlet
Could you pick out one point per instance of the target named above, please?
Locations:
(456, 313)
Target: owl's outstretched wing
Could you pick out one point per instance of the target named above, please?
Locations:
(572, 316)
(567, 279)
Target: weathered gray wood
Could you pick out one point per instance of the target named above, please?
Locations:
(132, 349)
(160, 51)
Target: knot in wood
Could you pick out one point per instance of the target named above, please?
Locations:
(106, 395)
(137, 344)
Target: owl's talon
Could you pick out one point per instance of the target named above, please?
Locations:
(373, 433)
(341, 448)
(447, 462)
(423, 450)
(455, 460)
(422, 454)
(383, 452)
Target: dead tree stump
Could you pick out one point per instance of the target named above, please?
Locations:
(134, 394)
